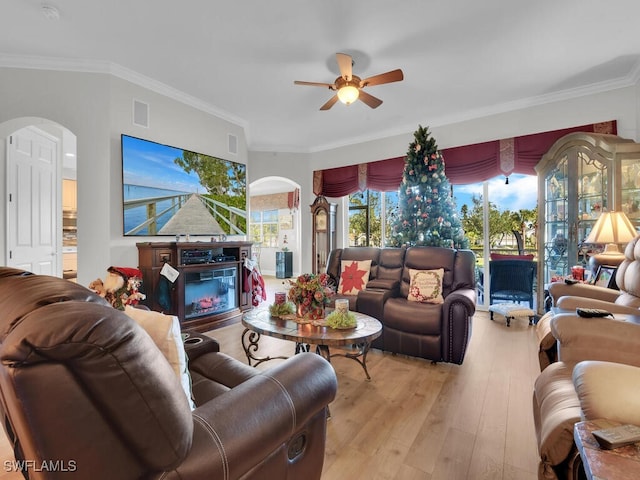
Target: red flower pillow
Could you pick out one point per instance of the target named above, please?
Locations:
(354, 276)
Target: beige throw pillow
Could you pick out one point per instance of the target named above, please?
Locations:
(164, 330)
(426, 286)
(354, 276)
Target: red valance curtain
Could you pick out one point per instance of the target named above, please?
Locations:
(466, 164)
(385, 175)
(482, 161)
(338, 182)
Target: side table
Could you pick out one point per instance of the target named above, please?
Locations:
(599, 464)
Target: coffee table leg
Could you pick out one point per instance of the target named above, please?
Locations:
(250, 341)
(302, 347)
(360, 356)
(323, 351)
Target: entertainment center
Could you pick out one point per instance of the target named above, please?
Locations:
(209, 291)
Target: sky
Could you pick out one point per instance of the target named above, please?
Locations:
(521, 193)
(151, 165)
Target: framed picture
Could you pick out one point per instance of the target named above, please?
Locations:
(286, 222)
(606, 277)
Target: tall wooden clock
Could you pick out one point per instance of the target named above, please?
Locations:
(323, 221)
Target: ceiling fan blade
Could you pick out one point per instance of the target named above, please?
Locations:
(332, 101)
(388, 77)
(345, 64)
(370, 100)
(316, 84)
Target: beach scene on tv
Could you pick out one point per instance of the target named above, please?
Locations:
(170, 191)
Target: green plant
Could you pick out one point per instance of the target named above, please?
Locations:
(341, 319)
(280, 309)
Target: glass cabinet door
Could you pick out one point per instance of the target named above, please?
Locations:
(593, 194)
(630, 189)
(555, 219)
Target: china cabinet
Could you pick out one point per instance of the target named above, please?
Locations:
(323, 221)
(582, 175)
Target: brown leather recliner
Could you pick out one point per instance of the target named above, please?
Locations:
(87, 394)
(438, 332)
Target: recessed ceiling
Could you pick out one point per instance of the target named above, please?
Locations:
(461, 59)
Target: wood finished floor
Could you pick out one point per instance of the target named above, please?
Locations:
(416, 420)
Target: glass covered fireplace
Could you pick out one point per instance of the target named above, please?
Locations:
(210, 291)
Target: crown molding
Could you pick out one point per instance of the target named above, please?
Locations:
(109, 68)
(94, 66)
(629, 80)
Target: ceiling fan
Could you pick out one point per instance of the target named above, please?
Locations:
(349, 87)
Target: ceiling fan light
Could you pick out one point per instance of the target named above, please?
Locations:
(348, 94)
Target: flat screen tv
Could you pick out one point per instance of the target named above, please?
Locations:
(170, 191)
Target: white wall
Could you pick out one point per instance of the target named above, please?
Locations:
(97, 109)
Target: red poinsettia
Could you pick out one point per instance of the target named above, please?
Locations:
(352, 278)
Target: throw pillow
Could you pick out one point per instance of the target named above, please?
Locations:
(354, 276)
(426, 286)
(164, 330)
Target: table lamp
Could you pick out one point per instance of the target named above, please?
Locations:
(612, 228)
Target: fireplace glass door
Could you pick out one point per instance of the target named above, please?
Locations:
(210, 291)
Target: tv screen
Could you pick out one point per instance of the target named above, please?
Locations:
(170, 191)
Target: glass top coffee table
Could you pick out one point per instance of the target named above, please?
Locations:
(351, 343)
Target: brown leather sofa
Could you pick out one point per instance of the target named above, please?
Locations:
(87, 394)
(438, 332)
(556, 402)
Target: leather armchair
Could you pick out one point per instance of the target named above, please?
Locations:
(624, 300)
(84, 386)
(556, 403)
(569, 297)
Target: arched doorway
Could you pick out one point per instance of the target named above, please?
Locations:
(61, 158)
(274, 221)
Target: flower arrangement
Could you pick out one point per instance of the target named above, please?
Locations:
(311, 293)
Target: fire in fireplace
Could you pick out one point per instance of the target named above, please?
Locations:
(211, 291)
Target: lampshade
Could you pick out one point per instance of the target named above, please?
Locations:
(611, 229)
(348, 94)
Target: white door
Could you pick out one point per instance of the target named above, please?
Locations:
(32, 220)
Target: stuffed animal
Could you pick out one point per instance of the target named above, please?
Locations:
(120, 287)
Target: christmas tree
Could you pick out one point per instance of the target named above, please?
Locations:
(426, 210)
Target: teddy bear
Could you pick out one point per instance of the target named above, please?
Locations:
(121, 287)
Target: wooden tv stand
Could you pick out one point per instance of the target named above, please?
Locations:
(209, 291)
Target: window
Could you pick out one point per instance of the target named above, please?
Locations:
(507, 211)
(264, 228)
(369, 214)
